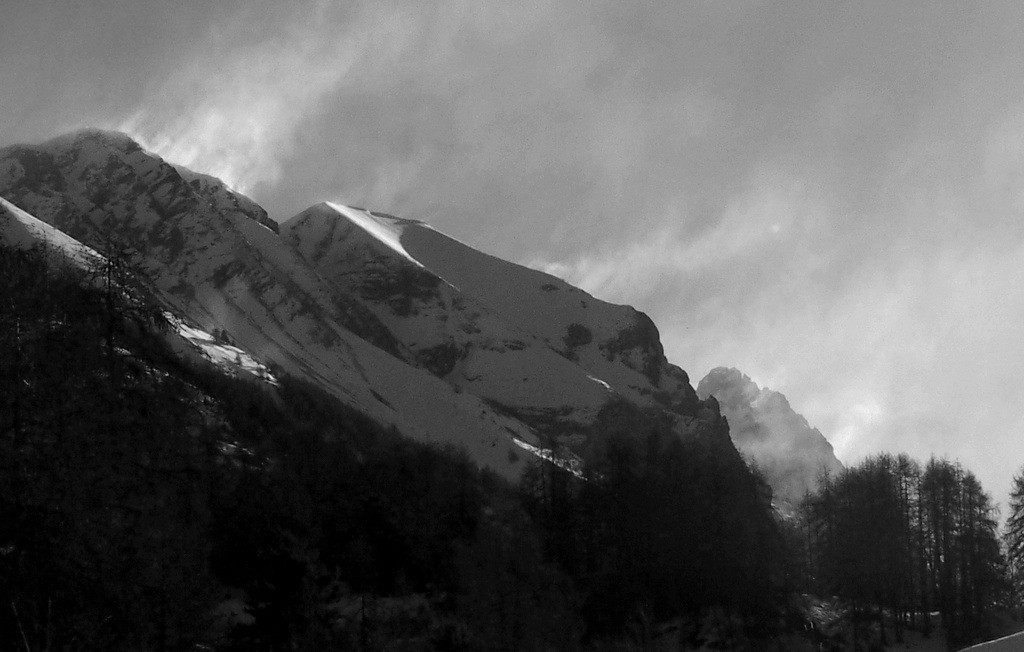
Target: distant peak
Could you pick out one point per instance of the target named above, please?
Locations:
(721, 378)
(728, 372)
(81, 139)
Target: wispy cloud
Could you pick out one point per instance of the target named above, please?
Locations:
(234, 109)
(773, 215)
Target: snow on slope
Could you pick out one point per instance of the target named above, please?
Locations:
(21, 230)
(532, 300)
(452, 336)
(221, 354)
(388, 231)
(614, 343)
(514, 336)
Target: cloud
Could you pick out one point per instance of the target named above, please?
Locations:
(773, 216)
(233, 110)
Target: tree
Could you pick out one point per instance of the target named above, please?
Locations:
(1014, 536)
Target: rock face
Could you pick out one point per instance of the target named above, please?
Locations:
(396, 319)
(768, 432)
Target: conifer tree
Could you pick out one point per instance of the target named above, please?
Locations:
(1014, 535)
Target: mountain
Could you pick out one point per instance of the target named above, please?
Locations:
(767, 431)
(407, 325)
(545, 351)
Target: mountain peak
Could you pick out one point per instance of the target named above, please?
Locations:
(721, 378)
(105, 138)
(375, 235)
(93, 179)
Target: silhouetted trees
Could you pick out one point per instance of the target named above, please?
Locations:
(660, 528)
(102, 540)
(1014, 539)
(145, 504)
(900, 542)
(150, 504)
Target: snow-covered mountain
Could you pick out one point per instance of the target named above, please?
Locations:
(396, 319)
(767, 430)
(543, 350)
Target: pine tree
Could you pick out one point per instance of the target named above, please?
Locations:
(1014, 536)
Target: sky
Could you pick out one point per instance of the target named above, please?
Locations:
(827, 196)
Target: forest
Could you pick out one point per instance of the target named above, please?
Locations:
(901, 541)
(152, 503)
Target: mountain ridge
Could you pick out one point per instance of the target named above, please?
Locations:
(513, 359)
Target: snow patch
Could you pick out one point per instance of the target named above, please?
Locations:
(223, 355)
(572, 465)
